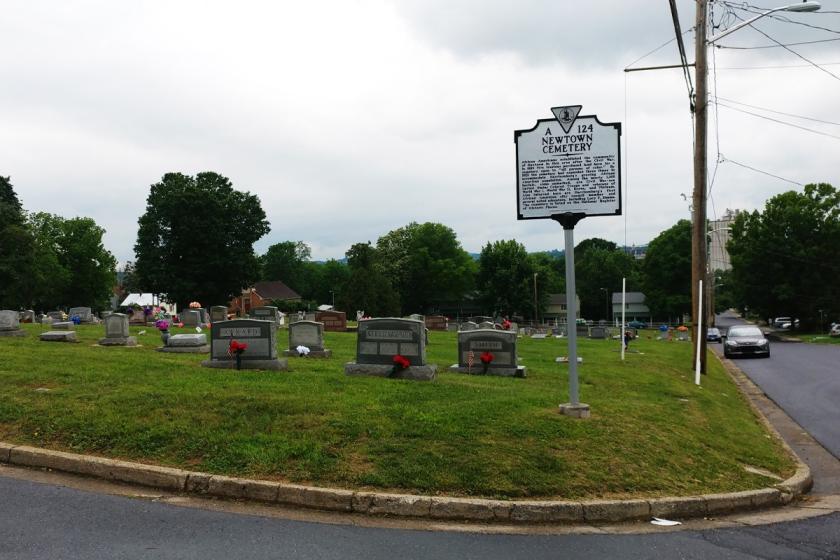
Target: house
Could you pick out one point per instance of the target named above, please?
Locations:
(556, 310)
(262, 293)
(634, 306)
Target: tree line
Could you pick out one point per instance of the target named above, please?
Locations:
(196, 240)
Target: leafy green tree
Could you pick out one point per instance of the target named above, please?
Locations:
(666, 272)
(16, 245)
(786, 259)
(505, 278)
(329, 280)
(196, 238)
(426, 264)
(287, 261)
(599, 268)
(368, 288)
(73, 268)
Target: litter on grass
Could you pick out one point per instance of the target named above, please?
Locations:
(664, 522)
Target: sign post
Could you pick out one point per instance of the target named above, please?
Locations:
(568, 168)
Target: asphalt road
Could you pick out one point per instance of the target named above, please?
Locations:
(804, 379)
(45, 521)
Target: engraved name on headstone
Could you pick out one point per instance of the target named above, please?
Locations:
(498, 343)
(379, 340)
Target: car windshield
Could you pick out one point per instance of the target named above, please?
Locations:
(714, 331)
(745, 331)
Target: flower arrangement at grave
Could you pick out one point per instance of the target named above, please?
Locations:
(76, 319)
(486, 359)
(506, 325)
(163, 326)
(400, 363)
(235, 349)
(195, 305)
(302, 351)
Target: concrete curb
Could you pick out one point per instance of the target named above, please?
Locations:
(404, 505)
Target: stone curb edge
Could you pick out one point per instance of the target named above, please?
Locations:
(802, 480)
(404, 505)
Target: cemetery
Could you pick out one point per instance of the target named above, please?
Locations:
(354, 419)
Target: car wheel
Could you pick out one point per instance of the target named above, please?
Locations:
(725, 354)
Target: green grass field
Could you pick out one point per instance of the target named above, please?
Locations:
(816, 338)
(652, 431)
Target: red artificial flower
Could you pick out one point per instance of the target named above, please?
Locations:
(401, 362)
(506, 325)
(487, 357)
(237, 347)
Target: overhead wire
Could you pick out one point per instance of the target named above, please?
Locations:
(725, 100)
(777, 46)
(821, 133)
(726, 159)
(763, 11)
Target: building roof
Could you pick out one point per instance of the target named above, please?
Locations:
(629, 297)
(275, 290)
(557, 299)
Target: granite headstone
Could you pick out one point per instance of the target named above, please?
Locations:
(379, 340)
(499, 344)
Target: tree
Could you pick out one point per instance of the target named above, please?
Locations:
(16, 244)
(426, 264)
(505, 278)
(599, 268)
(195, 240)
(287, 262)
(73, 268)
(667, 271)
(368, 288)
(786, 259)
(329, 280)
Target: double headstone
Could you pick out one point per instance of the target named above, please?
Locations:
(309, 335)
(497, 347)
(260, 337)
(116, 331)
(334, 321)
(384, 345)
(10, 324)
(83, 313)
(218, 313)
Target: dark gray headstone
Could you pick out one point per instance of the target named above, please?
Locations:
(501, 344)
(56, 315)
(218, 313)
(379, 340)
(265, 313)
(598, 332)
(260, 336)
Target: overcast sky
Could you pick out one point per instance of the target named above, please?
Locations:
(352, 118)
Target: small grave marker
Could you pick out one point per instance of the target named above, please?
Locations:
(309, 334)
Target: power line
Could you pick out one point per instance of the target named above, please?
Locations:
(777, 112)
(777, 66)
(725, 159)
(756, 10)
(814, 64)
(821, 133)
(777, 46)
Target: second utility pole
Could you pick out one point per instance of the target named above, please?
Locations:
(698, 232)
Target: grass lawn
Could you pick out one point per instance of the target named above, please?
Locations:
(816, 338)
(652, 431)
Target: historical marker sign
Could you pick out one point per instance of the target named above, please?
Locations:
(569, 164)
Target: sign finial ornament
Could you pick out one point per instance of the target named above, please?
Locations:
(566, 116)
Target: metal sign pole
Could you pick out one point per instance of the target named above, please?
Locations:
(574, 407)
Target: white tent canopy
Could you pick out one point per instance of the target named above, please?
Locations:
(142, 300)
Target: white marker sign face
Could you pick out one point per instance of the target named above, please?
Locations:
(562, 172)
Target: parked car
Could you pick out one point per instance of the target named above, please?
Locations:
(835, 330)
(713, 335)
(745, 340)
(637, 325)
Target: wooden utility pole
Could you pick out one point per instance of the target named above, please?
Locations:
(698, 233)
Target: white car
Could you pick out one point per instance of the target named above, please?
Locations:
(835, 330)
